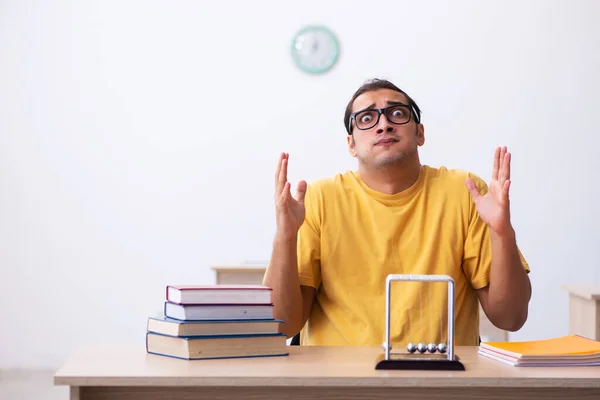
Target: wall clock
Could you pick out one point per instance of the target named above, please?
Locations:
(315, 49)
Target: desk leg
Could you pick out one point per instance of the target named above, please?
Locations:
(74, 391)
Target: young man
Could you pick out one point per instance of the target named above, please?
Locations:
(337, 241)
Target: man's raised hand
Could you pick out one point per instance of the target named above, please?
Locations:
(289, 211)
(494, 206)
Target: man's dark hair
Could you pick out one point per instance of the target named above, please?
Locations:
(375, 84)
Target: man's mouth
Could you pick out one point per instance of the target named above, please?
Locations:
(386, 141)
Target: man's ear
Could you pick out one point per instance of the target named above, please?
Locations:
(351, 148)
(420, 134)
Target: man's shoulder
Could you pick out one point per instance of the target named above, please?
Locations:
(333, 183)
(325, 191)
(452, 176)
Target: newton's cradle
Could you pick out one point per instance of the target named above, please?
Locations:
(421, 355)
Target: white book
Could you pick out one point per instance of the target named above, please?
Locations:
(219, 294)
(218, 311)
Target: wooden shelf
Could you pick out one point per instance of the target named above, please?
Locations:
(584, 310)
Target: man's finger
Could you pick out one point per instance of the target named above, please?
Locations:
(505, 191)
(278, 170)
(282, 174)
(505, 168)
(286, 193)
(472, 188)
(501, 167)
(496, 163)
(301, 191)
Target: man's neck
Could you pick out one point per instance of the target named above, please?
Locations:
(392, 179)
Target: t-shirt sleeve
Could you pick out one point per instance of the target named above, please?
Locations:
(477, 255)
(309, 240)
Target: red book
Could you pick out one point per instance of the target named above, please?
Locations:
(218, 294)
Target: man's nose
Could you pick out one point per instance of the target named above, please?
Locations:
(384, 125)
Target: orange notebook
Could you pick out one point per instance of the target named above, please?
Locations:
(562, 351)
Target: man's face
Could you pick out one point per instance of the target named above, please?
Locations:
(385, 143)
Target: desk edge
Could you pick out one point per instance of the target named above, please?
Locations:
(308, 381)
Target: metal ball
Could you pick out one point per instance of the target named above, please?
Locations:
(431, 347)
(441, 348)
(422, 348)
(383, 345)
(411, 347)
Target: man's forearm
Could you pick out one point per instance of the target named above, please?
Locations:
(509, 290)
(282, 277)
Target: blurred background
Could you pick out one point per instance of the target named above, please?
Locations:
(138, 142)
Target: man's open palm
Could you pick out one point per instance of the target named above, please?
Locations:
(493, 207)
(290, 211)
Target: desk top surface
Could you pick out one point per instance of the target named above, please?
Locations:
(305, 366)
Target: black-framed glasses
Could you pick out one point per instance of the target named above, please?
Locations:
(398, 114)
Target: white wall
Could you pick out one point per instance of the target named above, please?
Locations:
(138, 142)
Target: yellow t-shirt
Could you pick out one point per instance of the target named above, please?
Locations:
(353, 237)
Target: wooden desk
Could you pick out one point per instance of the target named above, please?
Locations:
(127, 372)
(584, 310)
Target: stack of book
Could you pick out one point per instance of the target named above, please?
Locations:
(216, 321)
(571, 350)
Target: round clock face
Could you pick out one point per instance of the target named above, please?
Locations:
(315, 49)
